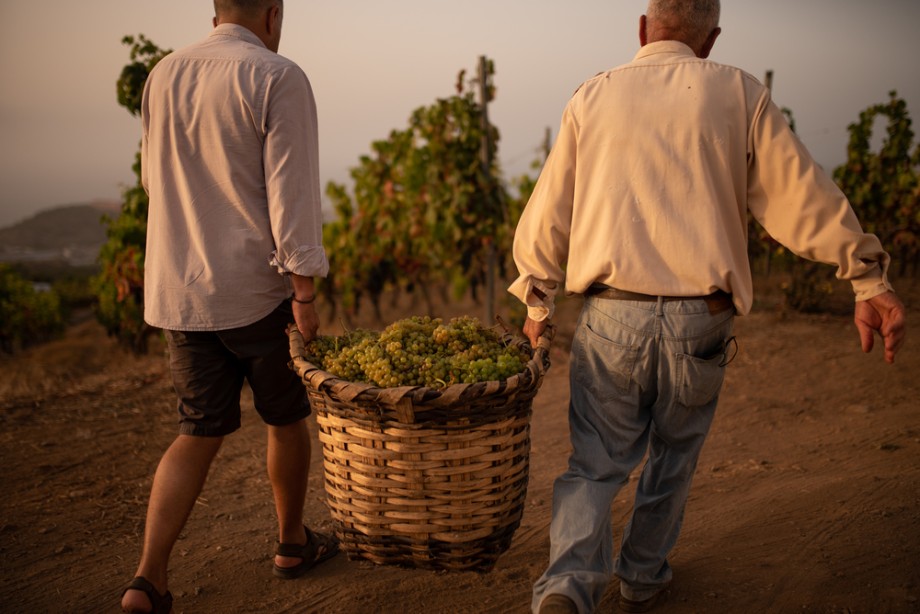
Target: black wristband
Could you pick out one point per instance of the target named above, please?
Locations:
(304, 302)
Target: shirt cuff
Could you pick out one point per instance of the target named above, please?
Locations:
(304, 261)
(864, 291)
(538, 297)
(540, 313)
(873, 282)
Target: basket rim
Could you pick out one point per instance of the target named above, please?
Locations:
(324, 382)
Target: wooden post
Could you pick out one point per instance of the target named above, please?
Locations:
(484, 156)
(486, 161)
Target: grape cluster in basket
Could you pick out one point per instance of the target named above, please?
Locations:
(419, 351)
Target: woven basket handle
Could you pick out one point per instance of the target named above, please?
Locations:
(541, 352)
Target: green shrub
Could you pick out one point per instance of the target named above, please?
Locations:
(27, 316)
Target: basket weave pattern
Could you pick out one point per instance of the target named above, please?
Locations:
(421, 477)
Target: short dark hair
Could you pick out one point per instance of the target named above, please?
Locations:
(246, 7)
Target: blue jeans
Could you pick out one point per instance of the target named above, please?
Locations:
(645, 378)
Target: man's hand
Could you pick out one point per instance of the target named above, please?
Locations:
(533, 330)
(306, 319)
(883, 314)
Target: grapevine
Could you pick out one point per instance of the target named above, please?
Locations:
(119, 286)
(883, 182)
(419, 351)
(423, 209)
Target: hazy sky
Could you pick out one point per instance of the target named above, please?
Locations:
(371, 63)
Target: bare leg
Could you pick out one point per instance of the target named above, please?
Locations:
(288, 468)
(179, 479)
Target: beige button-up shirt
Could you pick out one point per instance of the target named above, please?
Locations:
(230, 161)
(649, 182)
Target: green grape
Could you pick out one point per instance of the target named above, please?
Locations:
(420, 351)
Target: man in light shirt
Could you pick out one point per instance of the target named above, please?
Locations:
(234, 241)
(642, 207)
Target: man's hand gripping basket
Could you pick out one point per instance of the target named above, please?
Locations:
(425, 477)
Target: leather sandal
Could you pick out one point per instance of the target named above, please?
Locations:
(319, 548)
(159, 603)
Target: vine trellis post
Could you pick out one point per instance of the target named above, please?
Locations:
(486, 161)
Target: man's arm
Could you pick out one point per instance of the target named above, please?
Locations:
(303, 305)
(541, 238)
(290, 159)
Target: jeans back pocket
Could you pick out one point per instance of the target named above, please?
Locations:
(700, 379)
(603, 366)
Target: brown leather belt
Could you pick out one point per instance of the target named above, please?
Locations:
(717, 302)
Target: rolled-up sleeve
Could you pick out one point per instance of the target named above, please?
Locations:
(291, 162)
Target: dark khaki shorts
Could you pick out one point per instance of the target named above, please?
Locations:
(209, 367)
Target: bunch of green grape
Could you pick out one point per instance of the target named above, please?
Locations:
(419, 351)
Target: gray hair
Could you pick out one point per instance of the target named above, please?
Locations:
(689, 21)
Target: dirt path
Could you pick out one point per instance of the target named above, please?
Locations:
(807, 496)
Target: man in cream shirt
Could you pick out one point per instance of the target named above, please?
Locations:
(642, 207)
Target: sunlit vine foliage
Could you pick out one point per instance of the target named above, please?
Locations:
(424, 209)
(120, 284)
(884, 184)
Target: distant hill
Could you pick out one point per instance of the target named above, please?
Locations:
(72, 233)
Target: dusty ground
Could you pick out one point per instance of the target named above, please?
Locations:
(807, 496)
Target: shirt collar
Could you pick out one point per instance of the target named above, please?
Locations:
(662, 47)
(237, 31)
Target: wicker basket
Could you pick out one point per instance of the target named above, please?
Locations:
(422, 477)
